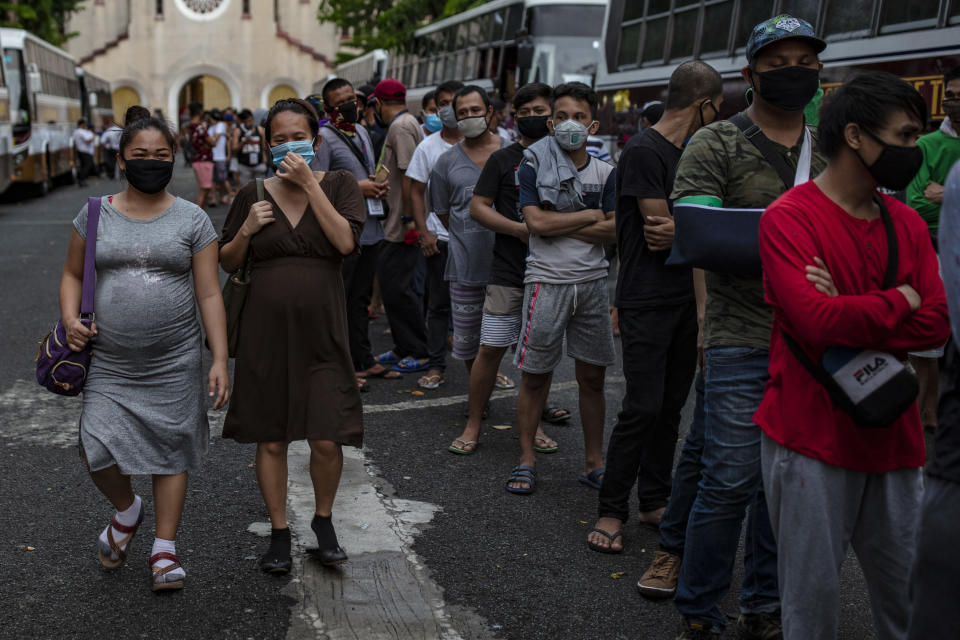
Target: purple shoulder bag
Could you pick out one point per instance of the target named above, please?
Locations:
(59, 368)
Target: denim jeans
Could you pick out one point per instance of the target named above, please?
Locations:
(729, 483)
(686, 478)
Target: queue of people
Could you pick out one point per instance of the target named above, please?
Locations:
(482, 240)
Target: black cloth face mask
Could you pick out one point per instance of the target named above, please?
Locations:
(147, 175)
(790, 88)
(533, 127)
(896, 166)
(350, 112)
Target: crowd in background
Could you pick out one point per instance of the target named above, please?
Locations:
(486, 229)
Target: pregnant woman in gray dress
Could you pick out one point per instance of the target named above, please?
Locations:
(144, 409)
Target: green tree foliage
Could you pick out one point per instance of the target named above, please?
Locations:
(386, 24)
(43, 18)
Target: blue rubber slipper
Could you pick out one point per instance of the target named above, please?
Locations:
(410, 365)
(387, 359)
(522, 473)
(592, 479)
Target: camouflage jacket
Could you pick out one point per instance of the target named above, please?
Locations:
(720, 161)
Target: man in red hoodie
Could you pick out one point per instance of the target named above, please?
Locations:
(829, 480)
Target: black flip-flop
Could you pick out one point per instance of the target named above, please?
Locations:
(608, 536)
(556, 415)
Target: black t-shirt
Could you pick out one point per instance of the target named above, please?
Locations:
(646, 169)
(498, 180)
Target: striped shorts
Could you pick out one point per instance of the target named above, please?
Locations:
(502, 315)
(466, 307)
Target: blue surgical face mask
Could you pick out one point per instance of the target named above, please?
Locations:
(303, 148)
(432, 122)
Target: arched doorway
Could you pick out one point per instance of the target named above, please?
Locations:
(210, 91)
(123, 99)
(280, 92)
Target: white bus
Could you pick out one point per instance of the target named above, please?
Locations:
(918, 40)
(44, 97)
(6, 133)
(503, 44)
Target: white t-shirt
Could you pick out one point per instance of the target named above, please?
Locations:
(83, 140)
(220, 150)
(421, 164)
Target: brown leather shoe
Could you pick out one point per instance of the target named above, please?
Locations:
(660, 580)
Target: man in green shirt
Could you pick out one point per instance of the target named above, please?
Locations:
(941, 150)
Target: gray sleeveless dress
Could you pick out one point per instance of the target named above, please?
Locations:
(144, 402)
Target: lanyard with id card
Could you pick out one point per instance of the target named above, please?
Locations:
(375, 207)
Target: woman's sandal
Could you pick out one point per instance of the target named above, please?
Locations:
(503, 382)
(121, 547)
(159, 580)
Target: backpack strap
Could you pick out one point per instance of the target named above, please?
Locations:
(756, 137)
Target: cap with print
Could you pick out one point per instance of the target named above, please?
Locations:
(390, 90)
(782, 27)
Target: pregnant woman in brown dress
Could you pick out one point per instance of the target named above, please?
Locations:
(294, 377)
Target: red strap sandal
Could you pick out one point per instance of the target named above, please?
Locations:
(120, 547)
(159, 581)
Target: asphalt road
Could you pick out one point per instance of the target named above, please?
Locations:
(488, 563)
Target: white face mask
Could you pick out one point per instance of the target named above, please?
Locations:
(448, 117)
(571, 134)
(473, 126)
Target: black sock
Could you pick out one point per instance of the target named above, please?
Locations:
(279, 543)
(326, 536)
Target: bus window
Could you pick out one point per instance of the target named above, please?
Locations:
(630, 46)
(716, 17)
(848, 19)
(19, 96)
(514, 22)
(752, 14)
(906, 16)
(565, 20)
(806, 9)
(684, 31)
(655, 41)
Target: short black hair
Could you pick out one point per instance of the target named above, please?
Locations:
(578, 91)
(653, 113)
(467, 90)
(195, 109)
(216, 114)
(333, 85)
(868, 99)
(450, 86)
(530, 92)
(691, 81)
(131, 129)
(246, 113)
(81, 122)
(136, 112)
(497, 103)
(428, 97)
(295, 105)
(950, 76)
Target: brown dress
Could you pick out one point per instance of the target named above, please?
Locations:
(293, 376)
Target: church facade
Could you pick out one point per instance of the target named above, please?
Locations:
(166, 53)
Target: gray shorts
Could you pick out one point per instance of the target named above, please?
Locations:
(578, 312)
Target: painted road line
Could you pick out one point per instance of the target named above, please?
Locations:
(384, 591)
(445, 401)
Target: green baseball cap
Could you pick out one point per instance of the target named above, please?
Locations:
(782, 27)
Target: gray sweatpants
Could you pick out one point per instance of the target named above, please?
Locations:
(817, 510)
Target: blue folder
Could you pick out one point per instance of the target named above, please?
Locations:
(716, 239)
